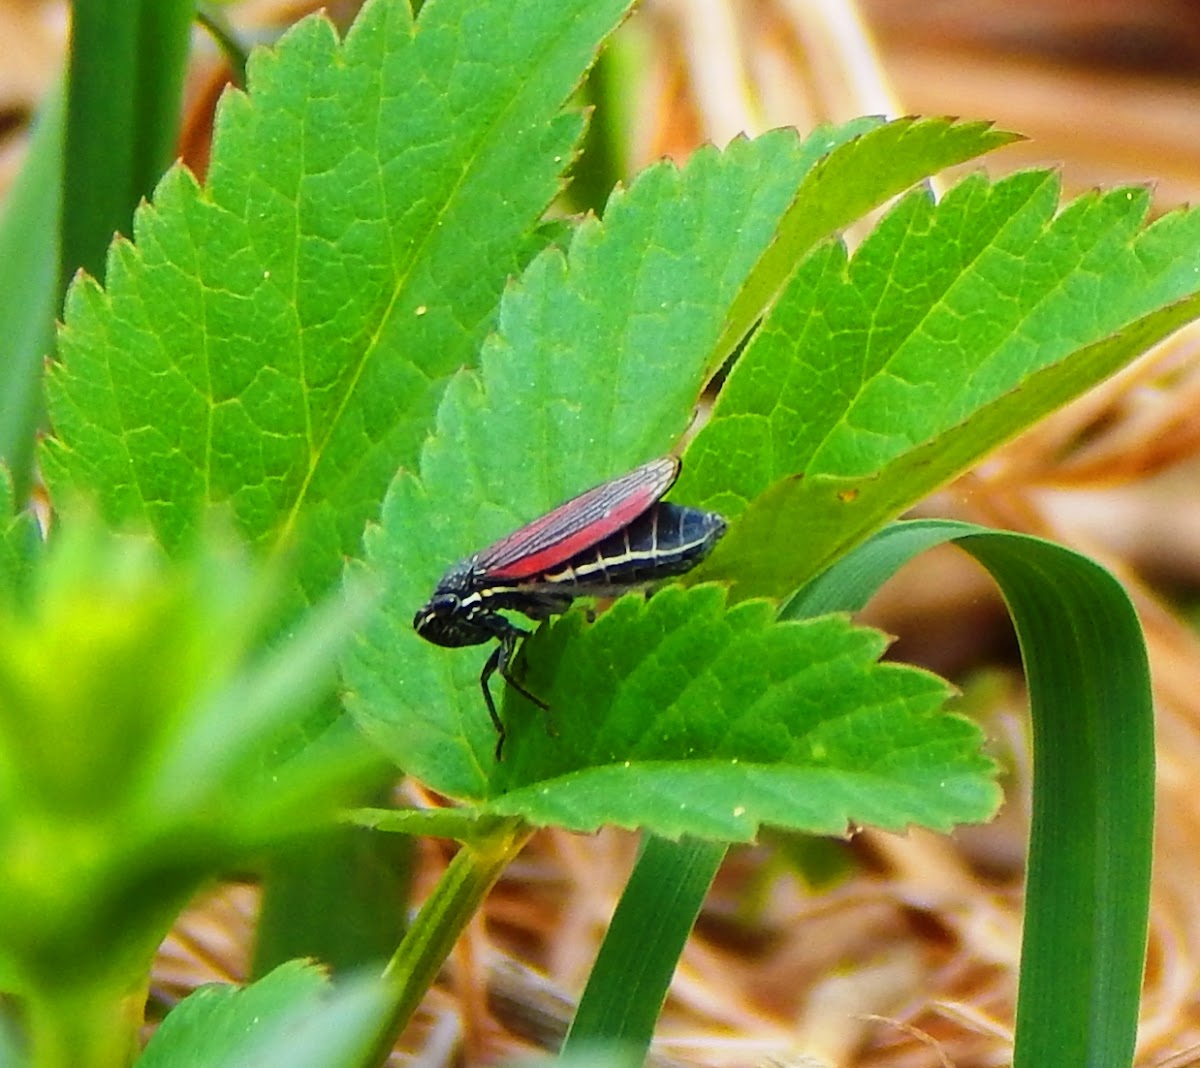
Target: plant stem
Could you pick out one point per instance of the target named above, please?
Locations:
(454, 901)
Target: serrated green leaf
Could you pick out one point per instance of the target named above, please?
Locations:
(596, 366)
(954, 327)
(291, 1017)
(854, 179)
(213, 1021)
(276, 341)
(601, 352)
(681, 717)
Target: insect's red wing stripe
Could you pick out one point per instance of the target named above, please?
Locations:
(563, 548)
(581, 522)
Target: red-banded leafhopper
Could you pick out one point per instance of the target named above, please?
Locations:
(613, 538)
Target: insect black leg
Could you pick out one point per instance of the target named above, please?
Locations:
(507, 650)
(489, 668)
(500, 660)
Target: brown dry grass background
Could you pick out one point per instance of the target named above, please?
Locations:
(910, 962)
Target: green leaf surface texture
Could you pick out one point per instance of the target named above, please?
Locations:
(598, 358)
(292, 1016)
(275, 342)
(955, 325)
(213, 1021)
(688, 718)
(850, 182)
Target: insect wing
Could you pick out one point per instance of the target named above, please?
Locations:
(579, 524)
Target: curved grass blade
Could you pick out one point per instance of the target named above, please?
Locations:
(1089, 863)
(1088, 883)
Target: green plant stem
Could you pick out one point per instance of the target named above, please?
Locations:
(455, 899)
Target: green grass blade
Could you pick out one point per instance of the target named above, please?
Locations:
(164, 37)
(236, 55)
(629, 980)
(126, 75)
(1088, 883)
(856, 578)
(29, 288)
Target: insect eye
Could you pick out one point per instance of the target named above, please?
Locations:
(435, 609)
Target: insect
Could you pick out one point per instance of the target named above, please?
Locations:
(613, 538)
